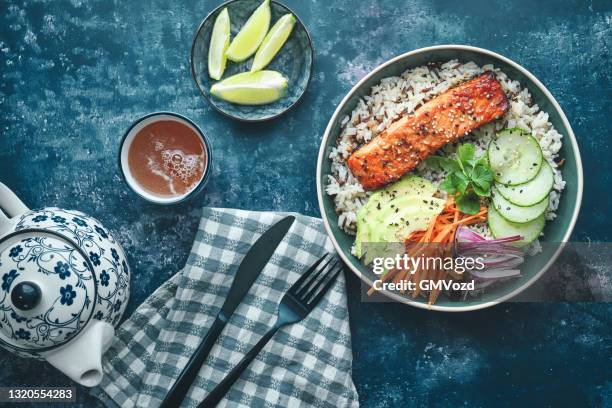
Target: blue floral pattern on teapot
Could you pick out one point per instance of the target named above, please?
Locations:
(66, 275)
(91, 278)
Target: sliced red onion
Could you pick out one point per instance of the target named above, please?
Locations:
(500, 259)
(487, 251)
(512, 262)
(495, 274)
(490, 242)
(465, 234)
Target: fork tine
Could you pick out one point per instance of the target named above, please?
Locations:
(316, 282)
(312, 279)
(295, 288)
(321, 289)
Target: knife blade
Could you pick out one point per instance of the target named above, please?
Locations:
(249, 269)
(253, 263)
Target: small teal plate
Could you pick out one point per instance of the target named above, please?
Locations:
(295, 61)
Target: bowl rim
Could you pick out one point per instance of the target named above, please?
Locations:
(238, 118)
(566, 124)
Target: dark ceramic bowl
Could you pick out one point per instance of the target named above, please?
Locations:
(556, 231)
(295, 61)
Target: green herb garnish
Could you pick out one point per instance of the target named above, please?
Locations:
(468, 178)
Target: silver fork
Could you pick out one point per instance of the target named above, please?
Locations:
(297, 303)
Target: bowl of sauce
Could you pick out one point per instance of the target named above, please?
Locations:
(165, 158)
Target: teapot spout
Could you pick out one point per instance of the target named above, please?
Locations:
(81, 358)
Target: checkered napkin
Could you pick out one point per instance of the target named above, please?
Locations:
(307, 364)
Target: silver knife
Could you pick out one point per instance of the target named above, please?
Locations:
(251, 266)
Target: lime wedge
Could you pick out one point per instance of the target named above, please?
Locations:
(273, 42)
(219, 41)
(251, 88)
(251, 34)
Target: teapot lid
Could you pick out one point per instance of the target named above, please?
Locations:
(48, 290)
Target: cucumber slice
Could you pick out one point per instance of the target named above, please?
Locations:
(515, 157)
(515, 213)
(531, 192)
(500, 227)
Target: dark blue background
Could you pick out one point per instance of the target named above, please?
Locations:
(76, 74)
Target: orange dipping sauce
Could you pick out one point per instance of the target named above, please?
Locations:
(167, 158)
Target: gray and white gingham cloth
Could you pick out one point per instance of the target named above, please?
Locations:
(307, 364)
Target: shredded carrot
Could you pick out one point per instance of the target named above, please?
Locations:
(441, 230)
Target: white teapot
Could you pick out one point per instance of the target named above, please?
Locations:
(64, 282)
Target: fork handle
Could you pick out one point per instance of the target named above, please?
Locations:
(179, 389)
(224, 386)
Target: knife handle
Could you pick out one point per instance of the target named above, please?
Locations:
(217, 394)
(179, 389)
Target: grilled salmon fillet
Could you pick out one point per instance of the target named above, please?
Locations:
(444, 119)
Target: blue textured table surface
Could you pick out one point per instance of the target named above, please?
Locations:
(76, 74)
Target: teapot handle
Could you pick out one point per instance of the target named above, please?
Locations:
(11, 204)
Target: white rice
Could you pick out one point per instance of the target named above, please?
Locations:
(396, 96)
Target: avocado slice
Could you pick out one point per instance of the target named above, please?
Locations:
(365, 213)
(368, 218)
(410, 184)
(403, 215)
